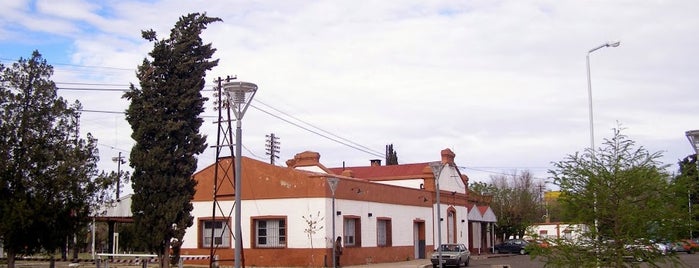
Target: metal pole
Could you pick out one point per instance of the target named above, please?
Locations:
(589, 102)
(592, 130)
(439, 219)
(333, 238)
(238, 232)
(592, 148)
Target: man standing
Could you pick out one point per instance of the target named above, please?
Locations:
(338, 251)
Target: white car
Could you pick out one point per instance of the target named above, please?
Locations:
(452, 254)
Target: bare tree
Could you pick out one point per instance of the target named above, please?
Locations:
(516, 202)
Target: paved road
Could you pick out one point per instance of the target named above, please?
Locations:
(511, 261)
(516, 261)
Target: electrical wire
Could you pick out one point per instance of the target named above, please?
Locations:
(320, 129)
(317, 133)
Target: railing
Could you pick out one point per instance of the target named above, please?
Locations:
(140, 259)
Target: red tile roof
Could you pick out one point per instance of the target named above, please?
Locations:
(390, 172)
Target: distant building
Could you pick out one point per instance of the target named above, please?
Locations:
(557, 230)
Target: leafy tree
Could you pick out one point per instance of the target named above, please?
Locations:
(48, 175)
(391, 155)
(164, 115)
(625, 192)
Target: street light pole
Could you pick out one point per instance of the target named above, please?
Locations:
(119, 160)
(240, 95)
(693, 137)
(332, 182)
(437, 168)
(592, 127)
(589, 90)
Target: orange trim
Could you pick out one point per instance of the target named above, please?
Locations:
(200, 235)
(253, 228)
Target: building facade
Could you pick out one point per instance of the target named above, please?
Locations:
(383, 213)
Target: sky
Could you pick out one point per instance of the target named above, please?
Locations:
(503, 84)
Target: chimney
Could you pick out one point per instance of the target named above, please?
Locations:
(447, 156)
(375, 162)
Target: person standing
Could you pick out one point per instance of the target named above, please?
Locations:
(338, 251)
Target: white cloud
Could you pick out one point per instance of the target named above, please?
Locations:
(502, 83)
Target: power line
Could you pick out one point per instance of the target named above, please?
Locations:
(92, 84)
(325, 131)
(92, 89)
(78, 66)
(317, 133)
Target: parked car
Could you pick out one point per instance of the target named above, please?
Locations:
(685, 245)
(452, 255)
(517, 246)
(662, 247)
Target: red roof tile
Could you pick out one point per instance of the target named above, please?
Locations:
(385, 172)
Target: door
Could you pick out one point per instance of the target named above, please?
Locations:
(419, 239)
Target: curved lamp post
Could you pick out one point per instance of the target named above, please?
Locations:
(592, 127)
(589, 89)
(240, 95)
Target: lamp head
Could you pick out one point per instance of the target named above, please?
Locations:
(693, 137)
(240, 95)
(240, 92)
(614, 44)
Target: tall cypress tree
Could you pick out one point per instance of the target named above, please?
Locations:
(391, 155)
(164, 115)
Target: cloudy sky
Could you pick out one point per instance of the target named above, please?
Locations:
(501, 83)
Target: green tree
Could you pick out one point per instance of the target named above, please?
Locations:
(48, 175)
(391, 155)
(164, 115)
(625, 192)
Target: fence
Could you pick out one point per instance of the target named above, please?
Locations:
(140, 259)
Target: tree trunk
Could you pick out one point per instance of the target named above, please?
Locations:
(75, 248)
(165, 258)
(10, 258)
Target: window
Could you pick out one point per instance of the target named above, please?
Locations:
(352, 232)
(270, 233)
(451, 225)
(383, 232)
(221, 233)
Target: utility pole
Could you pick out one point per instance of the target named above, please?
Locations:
(119, 160)
(272, 147)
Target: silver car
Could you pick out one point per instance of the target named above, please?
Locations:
(452, 255)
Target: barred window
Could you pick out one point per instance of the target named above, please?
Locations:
(352, 232)
(270, 233)
(221, 233)
(383, 232)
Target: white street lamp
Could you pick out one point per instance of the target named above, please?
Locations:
(693, 137)
(332, 183)
(592, 127)
(589, 89)
(240, 95)
(437, 168)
